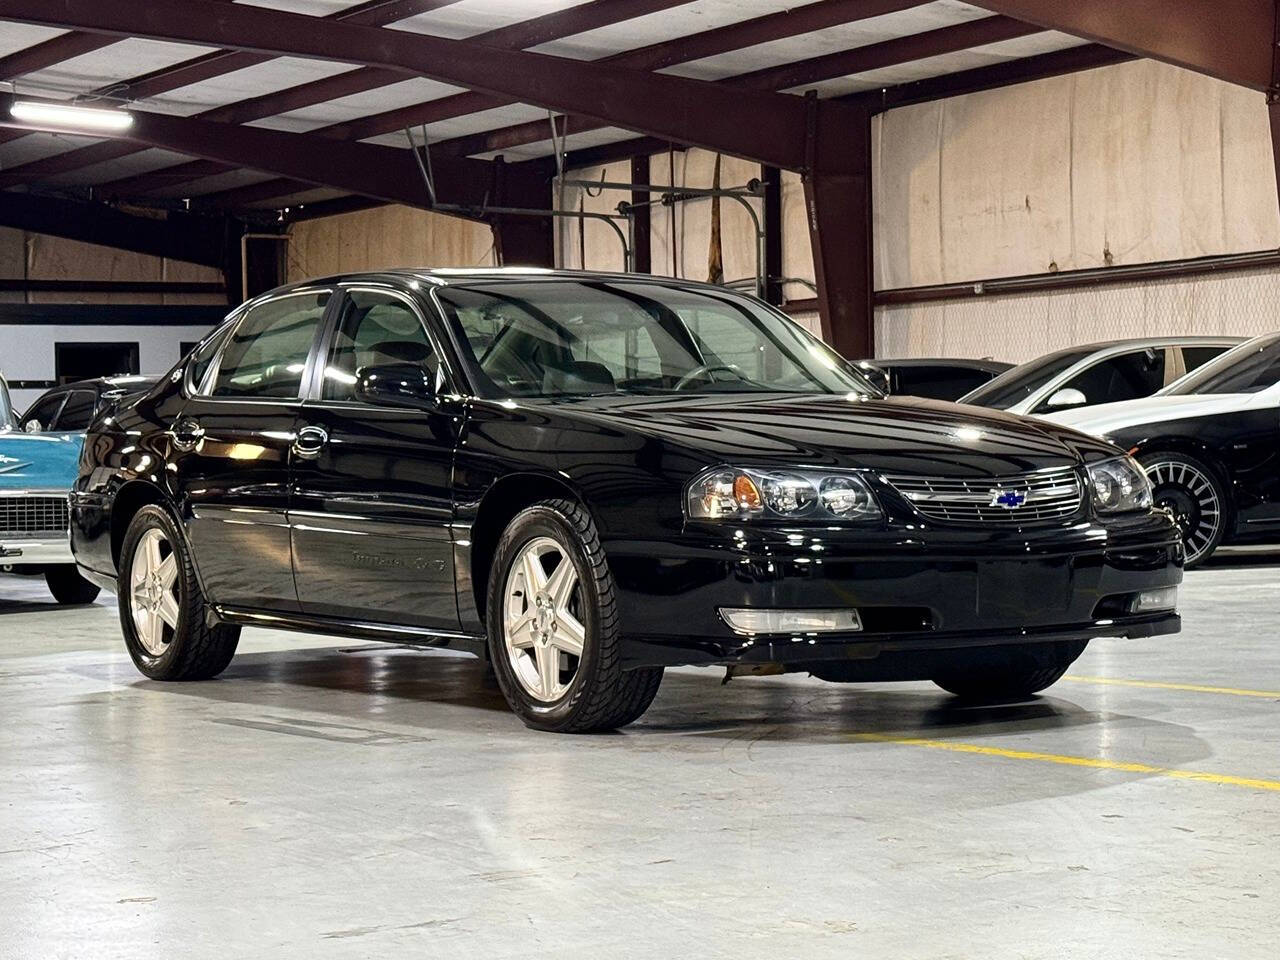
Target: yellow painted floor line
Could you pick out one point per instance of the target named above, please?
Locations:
(1095, 763)
(1192, 687)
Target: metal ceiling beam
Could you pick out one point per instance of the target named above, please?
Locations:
(874, 56)
(1228, 39)
(186, 237)
(52, 51)
(766, 127)
(197, 69)
(387, 173)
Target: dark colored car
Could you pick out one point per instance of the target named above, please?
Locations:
(1210, 444)
(588, 477)
(38, 460)
(931, 378)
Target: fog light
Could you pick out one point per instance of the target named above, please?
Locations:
(760, 620)
(1149, 601)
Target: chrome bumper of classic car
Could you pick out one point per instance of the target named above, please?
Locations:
(34, 528)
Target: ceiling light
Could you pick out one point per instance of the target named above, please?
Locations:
(65, 115)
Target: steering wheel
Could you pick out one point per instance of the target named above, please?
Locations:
(698, 373)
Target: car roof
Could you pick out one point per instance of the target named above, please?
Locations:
(970, 363)
(457, 276)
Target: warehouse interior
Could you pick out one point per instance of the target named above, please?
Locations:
(904, 179)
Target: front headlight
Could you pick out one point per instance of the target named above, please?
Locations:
(815, 496)
(1119, 485)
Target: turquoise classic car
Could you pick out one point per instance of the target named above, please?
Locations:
(39, 457)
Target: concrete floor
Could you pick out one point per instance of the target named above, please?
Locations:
(336, 799)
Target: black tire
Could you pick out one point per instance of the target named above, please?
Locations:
(601, 695)
(1015, 672)
(195, 651)
(1194, 491)
(68, 587)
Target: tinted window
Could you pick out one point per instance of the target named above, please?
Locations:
(937, 383)
(1126, 377)
(266, 354)
(375, 329)
(1015, 385)
(1249, 368)
(558, 338)
(78, 411)
(43, 412)
(202, 359)
(1193, 358)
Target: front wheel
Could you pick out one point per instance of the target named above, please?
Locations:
(553, 630)
(68, 587)
(1015, 672)
(162, 611)
(1192, 491)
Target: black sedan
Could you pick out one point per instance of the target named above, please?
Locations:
(589, 477)
(1210, 444)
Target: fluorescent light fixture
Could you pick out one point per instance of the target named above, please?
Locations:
(71, 117)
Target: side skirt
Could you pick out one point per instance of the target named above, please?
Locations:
(362, 629)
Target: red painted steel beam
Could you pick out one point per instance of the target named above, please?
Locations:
(387, 173)
(52, 51)
(917, 46)
(767, 127)
(1229, 39)
(195, 70)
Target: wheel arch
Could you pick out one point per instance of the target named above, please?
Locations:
(501, 502)
(127, 501)
(1189, 446)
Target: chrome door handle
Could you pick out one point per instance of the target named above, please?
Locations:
(309, 442)
(187, 434)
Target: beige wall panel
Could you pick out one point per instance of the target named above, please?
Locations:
(594, 238)
(905, 196)
(1251, 213)
(797, 252)
(1006, 181)
(178, 271)
(13, 257)
(1023, 326)
(385, 237)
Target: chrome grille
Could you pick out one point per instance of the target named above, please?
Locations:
(1053, 494)
(33, 516)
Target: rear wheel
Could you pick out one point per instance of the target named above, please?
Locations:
(1015, 672)
(68, 587)
(162, 611)
(554, 638)
(1192, 491)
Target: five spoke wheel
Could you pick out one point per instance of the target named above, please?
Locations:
(153, 597)
(542, 623)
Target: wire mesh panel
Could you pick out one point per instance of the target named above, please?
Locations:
(33, 516)
(1022, 326)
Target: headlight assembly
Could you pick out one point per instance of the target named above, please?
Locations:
(1119, 485)
(815, 496)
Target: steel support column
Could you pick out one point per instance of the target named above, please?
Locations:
(771, 177)
(523, 240)
(838, 211)
(641, 220)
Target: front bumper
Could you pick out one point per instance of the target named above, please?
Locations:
(29, 553)
(916, 589)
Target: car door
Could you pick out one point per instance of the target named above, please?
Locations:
(1124, 376)
(232, 446)
(372, 502)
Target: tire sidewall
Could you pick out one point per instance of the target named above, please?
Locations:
(1226, 509)
(543, 520)
(148, 518)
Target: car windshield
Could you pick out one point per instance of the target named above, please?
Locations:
(6, 407)
(1251, 367)
(556, 338)
(1018, 383)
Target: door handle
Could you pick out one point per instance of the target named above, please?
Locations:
(187, 434)
(309, 442)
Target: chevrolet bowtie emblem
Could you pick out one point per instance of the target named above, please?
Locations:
(1009, 499)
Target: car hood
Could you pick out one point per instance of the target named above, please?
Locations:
(893, 435)
(31, 461)
(1107, 418)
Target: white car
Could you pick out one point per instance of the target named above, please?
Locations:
(1097, 373)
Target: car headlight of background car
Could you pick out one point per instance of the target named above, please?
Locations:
(819, 496)
(1119, 485)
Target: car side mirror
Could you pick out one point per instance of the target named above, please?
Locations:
(396, 385)
(1067, 397)
(34, 426)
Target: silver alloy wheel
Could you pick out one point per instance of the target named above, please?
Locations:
(153, 600)
(541, 620)
(1194, 501)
